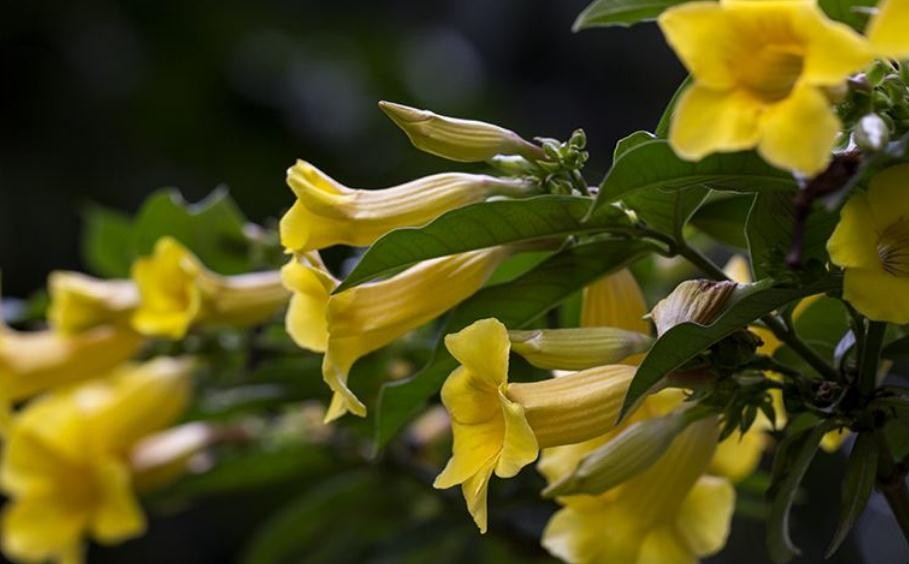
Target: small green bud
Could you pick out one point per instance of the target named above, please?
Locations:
(577, 348)
(513, 165)
(578, 139)
(871, 133)
(457, 139)
(877, 73)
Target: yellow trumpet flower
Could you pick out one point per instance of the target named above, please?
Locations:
(328, 213)
(457, 139)
(760, 70)
(35, 362)
(670, 512)
(499, 427)
(79, 302)
(65, 466)
(887, 29)
(355, 322)
(176, 292)
(871, 242)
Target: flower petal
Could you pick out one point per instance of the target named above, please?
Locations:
(685, 28)
(483, 349)
(118, 515)
(799, 132)
(834, 50)
(853, 242)
(706, 514)
(887, 198)
(519, 447)
(707, 121)
(877, 295)
(887, 29)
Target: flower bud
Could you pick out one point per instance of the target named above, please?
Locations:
(696, 301)
(630, 453)
(577, 348)
(871, 133)
(457, 139)
(79, 302)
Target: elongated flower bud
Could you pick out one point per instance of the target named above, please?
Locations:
(696, 301)
(79, 302)
(457, 139)
(577, 348)
(327, 213)
(500, 427)
(160, 458)
(355, 322)
(177, 292)
(634, 450)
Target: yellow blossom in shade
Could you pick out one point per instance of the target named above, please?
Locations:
(65, 466)
(348, 325)
(328, 213)
(887, 29)
(35, 362)
(499, 427)
(760, 69)
(177, 292)
(79, 302)
(871, 242)
(616, 300)
(669, 513)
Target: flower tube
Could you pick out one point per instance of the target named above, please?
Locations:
(79, 302)
(328, 213)
(362, 319)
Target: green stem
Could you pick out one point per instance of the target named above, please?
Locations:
(871, 356)
(778, 328)
(891, 481)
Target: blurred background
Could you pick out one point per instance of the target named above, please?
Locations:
(104, 102)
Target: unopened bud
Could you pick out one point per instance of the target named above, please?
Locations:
(577, 348)
(871, 133)
(457, 139)
(695, 301)
(634, 450)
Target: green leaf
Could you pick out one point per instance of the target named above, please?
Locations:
(631, 141)
(653, 165)
(771, 225)
(212, 228)
(516, 304)
(724, 219)
(479, 226)
(662, 128)
(845, 11)
(667, 210)
(800, 450)
(858, 483)
(106, 242)
(685, 341)
(605, 13)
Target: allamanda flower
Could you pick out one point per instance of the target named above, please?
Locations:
(499, 427)
(348, 325)
(65, 466)
(328, 213)
(760, 70)
(871, 242)
(176, 292)
(79, 302)
(670, 512)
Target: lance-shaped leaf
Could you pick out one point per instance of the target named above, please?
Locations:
(624, 13)
(653, 165)
(515, 304)
(478, 226)
(685, 341)
(858, 483)
(794, 456)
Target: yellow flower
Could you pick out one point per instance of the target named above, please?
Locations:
(79, 302)
(35, 362)
(871, 242)
(670, 512)
(499, 427)
(887, 29)
(457, 139)
(616, 301)
(355, 322)
(176, 292)
(760, 69)
(65, 466)
(327, 213)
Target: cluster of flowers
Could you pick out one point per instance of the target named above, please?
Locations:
(653, 487)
